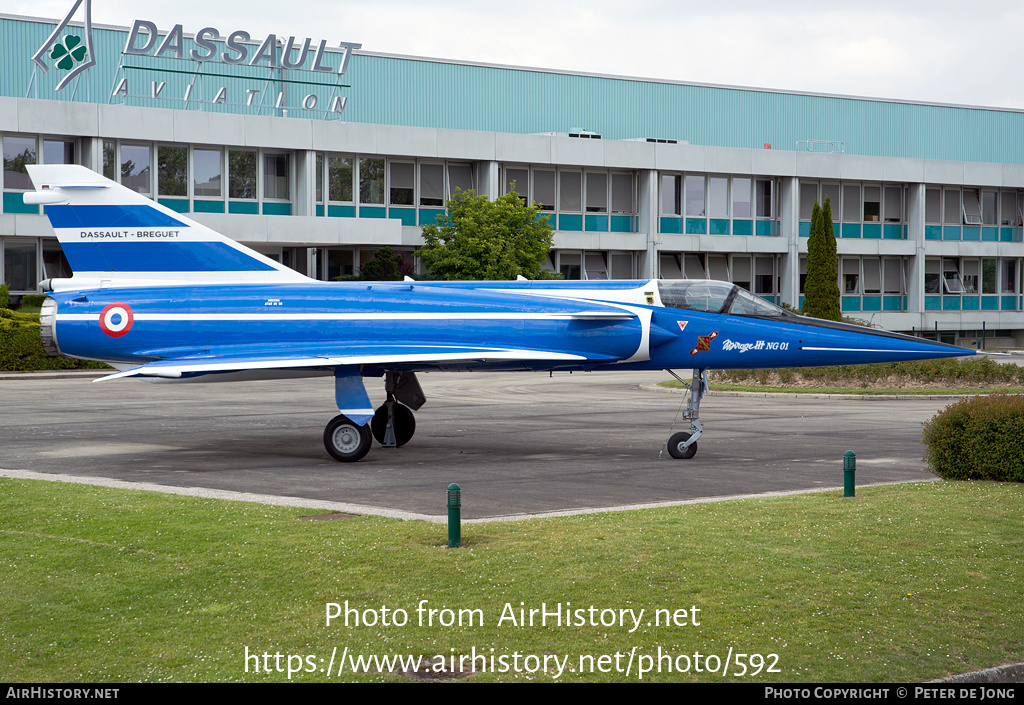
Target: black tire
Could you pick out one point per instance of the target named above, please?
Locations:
(346, 440)
(676, 441)
(405, 424)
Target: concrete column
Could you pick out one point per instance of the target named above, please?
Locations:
(647, 222)
(489, 180)
(916, 195)
(92, 153)
(789, 228)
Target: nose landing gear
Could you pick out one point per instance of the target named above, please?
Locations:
(683, 445)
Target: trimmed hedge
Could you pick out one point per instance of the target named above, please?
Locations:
(968, 371)
(978, 438)
(22, 350)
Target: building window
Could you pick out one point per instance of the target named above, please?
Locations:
(741, 198)
(623, 200)
(275, 176)
(20, 268)
(570, 191)
(110, 160)
(695, 196)
(136, 169)
(172, 171)
(893, 204)
(808, 196)
(402, 184)
(933, 206)
(460, 178)
(58, 152)
(872, 204)
(18, 153)
(518, 180)
(431, 185)
(671, 194)
(339, 179)
(719, 197)
(765, 199)
(371, 181)
(1008, 208)
(242, 174)
(544, 189)
(207, 173)
(597, 195)
(952, 214)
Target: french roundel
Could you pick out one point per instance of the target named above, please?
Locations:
(116, 319)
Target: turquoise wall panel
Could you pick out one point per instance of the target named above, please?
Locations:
(892, 231)
(696, 226)
(851, 303)
(14, 203)
(872, 231)
(428, 216)
(933, 303)
(951, 232)
(893, 303)
(319, 210)
(178, 205)
(989, 303)
(742, 227)
(622, 224)
(596, 223)
(805, 229)
(570, 222)
(1009, 303)
(765, 228)
(406, 215)
(243, 207)
(718, 226)
(972, 233)
(372, 212)
(871, 303)
(341, 211)
(1008, 235)
(208, 206)
(970, 303)
(671, 225)
(987, 234)
(277, 209)
(850, 230)
(950, 303)
(933, 232)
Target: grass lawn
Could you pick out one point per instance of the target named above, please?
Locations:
(901, 583)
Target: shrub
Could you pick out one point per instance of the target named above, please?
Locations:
(978, 438)
(5, 297)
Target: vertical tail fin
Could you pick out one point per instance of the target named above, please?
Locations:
(114, 236)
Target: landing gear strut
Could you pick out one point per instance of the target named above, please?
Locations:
(683, 445)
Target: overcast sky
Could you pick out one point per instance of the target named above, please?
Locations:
(947, 51)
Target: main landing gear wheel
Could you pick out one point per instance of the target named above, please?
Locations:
(675, 446)
(402, 422)
(346, 440)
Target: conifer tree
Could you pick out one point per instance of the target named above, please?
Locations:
(821, 289)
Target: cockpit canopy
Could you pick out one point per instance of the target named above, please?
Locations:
(715, 297)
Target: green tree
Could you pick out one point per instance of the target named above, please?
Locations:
(385, 265)
(821, 290)
(480, 239)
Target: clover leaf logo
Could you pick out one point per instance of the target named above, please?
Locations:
(68, 52)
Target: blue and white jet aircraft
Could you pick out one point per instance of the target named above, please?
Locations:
(157, 295)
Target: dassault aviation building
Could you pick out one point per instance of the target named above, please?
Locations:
(317, 152)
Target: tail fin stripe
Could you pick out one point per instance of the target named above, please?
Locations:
(110, 216)
(137, 256)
